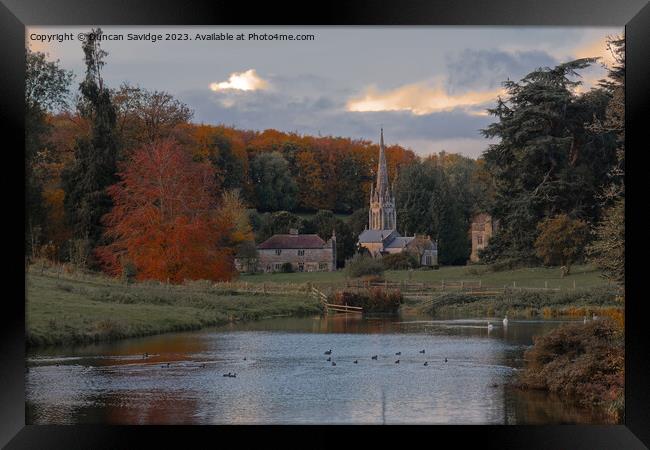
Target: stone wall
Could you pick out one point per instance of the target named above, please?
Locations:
(312, 260)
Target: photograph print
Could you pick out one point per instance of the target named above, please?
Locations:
(324, 225)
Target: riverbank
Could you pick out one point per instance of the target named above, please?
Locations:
(94, 308)
(602, 301)
(585, 362)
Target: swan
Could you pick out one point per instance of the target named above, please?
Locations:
(505, 321)
(490, 326)
(595, 317)
(584, 320)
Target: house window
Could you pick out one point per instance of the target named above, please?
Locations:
(322, 266)
(268, 267)
(278, 251)
(278, 266)
(301, 267)
(428, 260)
(479, 240)
(301, 253)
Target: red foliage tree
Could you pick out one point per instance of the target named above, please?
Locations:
(164, 222)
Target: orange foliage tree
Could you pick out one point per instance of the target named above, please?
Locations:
(164, 223)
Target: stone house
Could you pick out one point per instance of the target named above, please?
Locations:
(305, 253)
(482, 229)
(381, 237)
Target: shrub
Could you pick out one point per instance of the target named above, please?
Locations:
(361, 265)
(371, 300)
(400, 261)
(582, 361)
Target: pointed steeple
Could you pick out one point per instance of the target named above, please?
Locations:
(382, 171)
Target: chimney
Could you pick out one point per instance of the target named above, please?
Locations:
(293, 231)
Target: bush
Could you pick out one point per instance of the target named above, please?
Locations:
(361, 265)
(371, 300)
(582, 361)
(286, 268)
(400, 261)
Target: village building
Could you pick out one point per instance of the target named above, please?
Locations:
(482, 229)
(381, 236)
(305, 253)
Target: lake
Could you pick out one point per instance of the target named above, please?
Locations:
(283, 376)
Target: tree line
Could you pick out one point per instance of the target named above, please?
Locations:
(121, 178)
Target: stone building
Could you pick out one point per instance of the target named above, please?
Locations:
(381, 236)
(305, 253)
(482, 229)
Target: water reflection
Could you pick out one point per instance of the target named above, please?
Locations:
(283, 375)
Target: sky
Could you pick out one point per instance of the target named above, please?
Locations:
(428, 87)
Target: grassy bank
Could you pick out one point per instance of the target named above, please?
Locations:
(94, 308)
(583, 276)
(601, 301)
(583, 362)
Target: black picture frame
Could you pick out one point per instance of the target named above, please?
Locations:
(15, 14)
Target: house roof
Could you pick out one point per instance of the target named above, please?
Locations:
(377, 235)
(292, 241)
(400, 242)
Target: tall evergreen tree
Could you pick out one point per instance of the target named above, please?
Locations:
(94, 167)
(547, 162)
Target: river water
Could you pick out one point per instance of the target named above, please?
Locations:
(283, 376)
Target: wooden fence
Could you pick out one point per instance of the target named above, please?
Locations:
(330, 307)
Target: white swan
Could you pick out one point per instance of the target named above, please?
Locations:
(595, 317)
(505, 321)
(490, 326)
(584, 320)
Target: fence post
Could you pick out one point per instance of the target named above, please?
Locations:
(480, 283)
(545, 284)
(574, 284)
(514, 284)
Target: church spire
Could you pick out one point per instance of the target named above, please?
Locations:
(382, 171)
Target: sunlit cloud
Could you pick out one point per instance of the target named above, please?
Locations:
(421, 98)
(241, 81)
(596, 48)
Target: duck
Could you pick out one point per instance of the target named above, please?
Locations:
(374, 357)
(226, 374)
(333, 363)
(329, 359)
(244, 358)
(232, 375)
(356, 361)
(328, 352)
(422, 351)
(426, 363)
(505, 321)
(445, 359)
(397, 362)
(398, 353)
(203, 365)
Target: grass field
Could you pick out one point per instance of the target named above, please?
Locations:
(66, 311)
(583, 276)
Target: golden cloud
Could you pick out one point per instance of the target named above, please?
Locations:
(421, 98)
(241, 81)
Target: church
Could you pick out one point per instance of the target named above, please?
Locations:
(381, 236)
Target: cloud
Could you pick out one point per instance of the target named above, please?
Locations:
(241, 81)
(420, 98)
(488, 68)
(596, 48)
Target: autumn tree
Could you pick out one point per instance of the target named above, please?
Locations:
(561, 240)
(46, 91)
(607, 251)
(94, 166)
(164, 222)
(144, 116)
